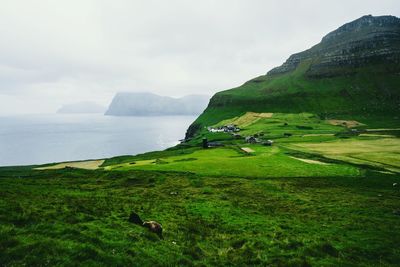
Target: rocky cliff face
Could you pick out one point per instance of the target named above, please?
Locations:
(365, 41)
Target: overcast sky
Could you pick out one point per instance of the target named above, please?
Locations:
(66, 51)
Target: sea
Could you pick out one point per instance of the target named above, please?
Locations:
(39, 139)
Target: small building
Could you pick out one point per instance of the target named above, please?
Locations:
(251, 139)
(215, 130)
(268, 143)
(206, 144)
(237, 136)
(215, 144)
(226, 128)
(231, 128)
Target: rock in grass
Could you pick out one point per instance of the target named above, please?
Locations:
(135, 218)
(153, 226)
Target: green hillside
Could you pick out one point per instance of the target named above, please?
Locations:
(345, 76)
(361, 96)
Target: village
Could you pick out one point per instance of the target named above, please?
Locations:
(233, 130)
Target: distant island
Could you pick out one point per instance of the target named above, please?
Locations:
(81, 107)
(148, 104)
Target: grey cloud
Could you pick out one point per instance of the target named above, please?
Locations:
(57, 52)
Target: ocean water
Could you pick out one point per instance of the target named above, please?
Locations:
(37, 139)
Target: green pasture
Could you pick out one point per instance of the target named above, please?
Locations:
(265, 162)
(74, 217)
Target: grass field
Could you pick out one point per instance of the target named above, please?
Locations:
(264, 162)
(314, 198)
(79, 217)
(383, 152)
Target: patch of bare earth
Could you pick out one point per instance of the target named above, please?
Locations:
(263, 115)
(311, 161)
(345, 123)
(88, 165)
(248, 118)
(247, 149)
(319, 134)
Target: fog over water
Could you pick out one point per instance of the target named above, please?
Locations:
(37, 139)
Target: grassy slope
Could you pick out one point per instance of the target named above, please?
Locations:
(366, 96)
(265, 162)
(79, 217)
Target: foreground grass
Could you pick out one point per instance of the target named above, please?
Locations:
(79, 217)
(311, 199)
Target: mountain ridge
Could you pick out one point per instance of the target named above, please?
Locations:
(353, 71)
(362, 41)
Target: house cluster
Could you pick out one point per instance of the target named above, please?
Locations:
(254, 140)
(231, 128)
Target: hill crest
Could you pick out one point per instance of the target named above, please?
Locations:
(367, 40)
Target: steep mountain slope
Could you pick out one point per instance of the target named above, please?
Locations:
(147, 104)
(353, 72)
(368, 40)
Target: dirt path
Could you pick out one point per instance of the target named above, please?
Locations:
(311, 161)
